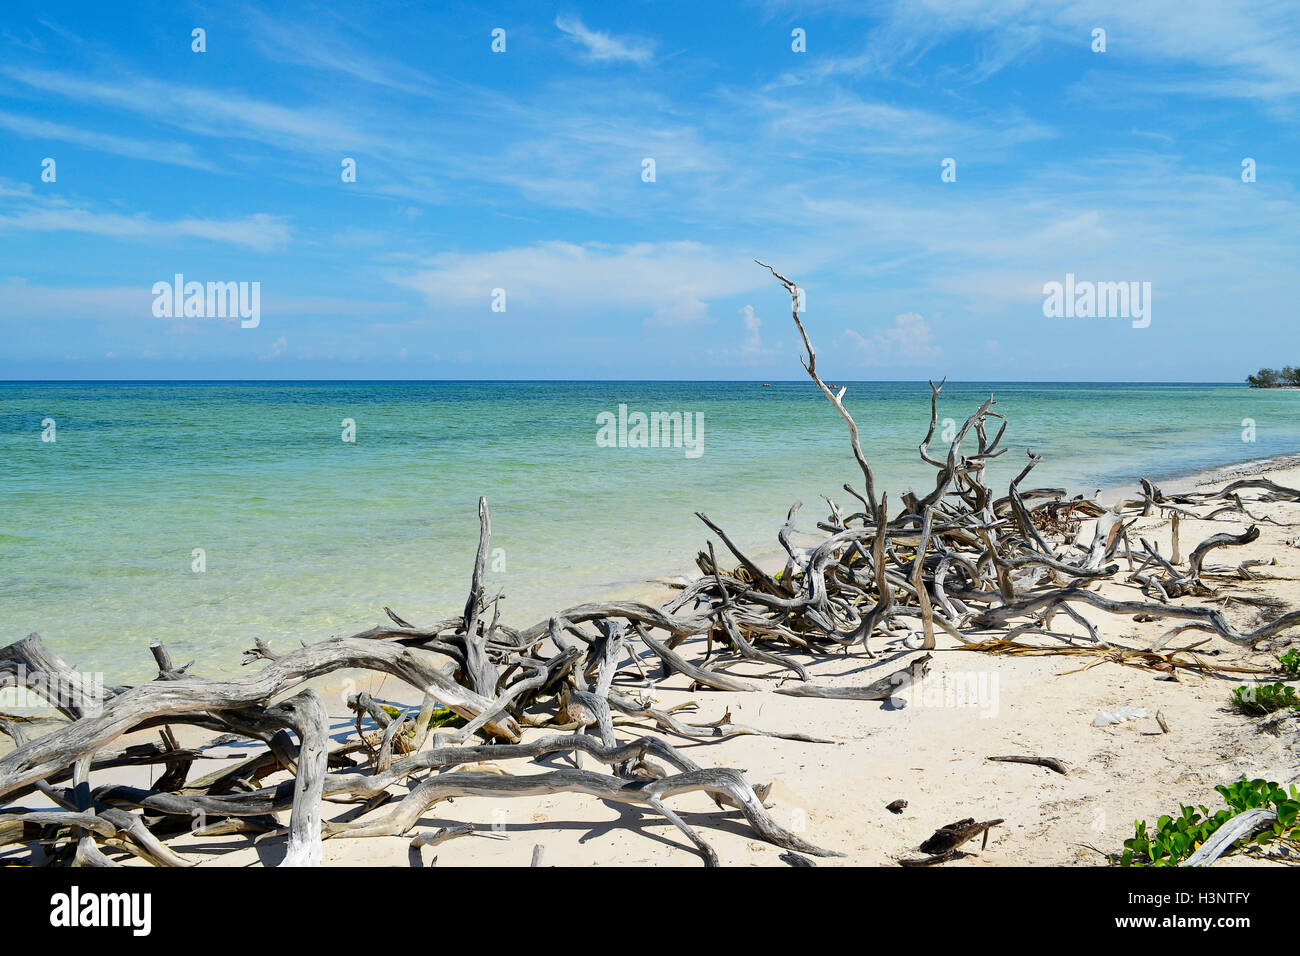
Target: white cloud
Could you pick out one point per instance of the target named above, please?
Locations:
(203, 111)
(277, 349)
(174, 153)
(910, 340)
(751, 350)
(753, 340)
(260, 232)
(23, 209)
(818, 121)
(604, 47)
(301, 43)
(23, 302)
(686, 310)
(669, 281)
(1237, 48)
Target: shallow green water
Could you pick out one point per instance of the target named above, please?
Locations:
(306, 536)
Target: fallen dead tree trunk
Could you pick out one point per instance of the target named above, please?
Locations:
(889, 686)
(1237, 828)
(720, 783)
(128, 710)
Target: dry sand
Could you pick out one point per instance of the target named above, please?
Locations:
(931, 753)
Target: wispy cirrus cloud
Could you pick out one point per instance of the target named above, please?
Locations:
(200, 110)
(23, 210)
(171, 152)
(260, 231)
(840, 121)
(599, 47)
(1230, 48)
(324, 48)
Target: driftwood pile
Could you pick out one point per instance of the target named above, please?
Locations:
(987, 570)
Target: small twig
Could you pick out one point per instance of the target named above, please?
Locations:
(1051, 763)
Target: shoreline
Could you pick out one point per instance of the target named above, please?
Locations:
(1176, 482)
(286, 532)
(770, 557)
(1180, 481)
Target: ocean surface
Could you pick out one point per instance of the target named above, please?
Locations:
(304, 535)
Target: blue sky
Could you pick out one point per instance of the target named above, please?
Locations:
(522, 170)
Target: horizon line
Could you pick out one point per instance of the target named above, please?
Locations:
(602, 381)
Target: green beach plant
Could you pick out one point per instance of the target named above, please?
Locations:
(439, 717)
(1258, 700)
(1175, 838)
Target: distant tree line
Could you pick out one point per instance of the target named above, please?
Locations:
(1272, 378)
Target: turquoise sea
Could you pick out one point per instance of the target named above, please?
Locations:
(305, 535)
